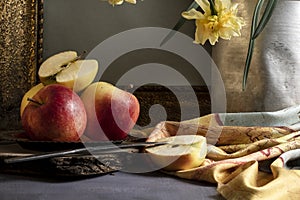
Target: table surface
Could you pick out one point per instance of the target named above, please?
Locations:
(118, 185)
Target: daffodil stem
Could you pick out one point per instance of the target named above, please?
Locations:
(212, 7)
(255, 18)
(256, 29)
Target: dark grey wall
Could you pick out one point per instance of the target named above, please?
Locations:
(82, 24)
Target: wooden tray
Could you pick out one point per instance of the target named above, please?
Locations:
(65, 166)
(20, 138)
(14, 144)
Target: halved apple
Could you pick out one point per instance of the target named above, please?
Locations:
(78, 75)
(180, 153)
(29, 94)
(66, 69)
(55, 64)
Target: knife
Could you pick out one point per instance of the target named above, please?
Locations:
(96, 149)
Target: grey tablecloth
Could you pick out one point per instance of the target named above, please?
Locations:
(118, 185)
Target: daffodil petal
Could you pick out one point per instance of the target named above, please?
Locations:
(115, 2)
(192, 14)
(204, 4)
(120, 2)
(200, 35)
(131, 1)
(213, 38)
(225, 24)
(227, 3)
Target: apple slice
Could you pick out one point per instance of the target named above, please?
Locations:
(66, 69)
(181, 153)
(29, 94)
(78, 75)
(55, 64)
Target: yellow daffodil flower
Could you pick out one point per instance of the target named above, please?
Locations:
(224, 23)
(120, 2)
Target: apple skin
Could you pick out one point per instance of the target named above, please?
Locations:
(111, 112)
(60, 116)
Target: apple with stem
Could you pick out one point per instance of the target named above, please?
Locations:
(54, 113)
(29, 94)
(111, 112)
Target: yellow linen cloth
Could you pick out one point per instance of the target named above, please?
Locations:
(237, 159)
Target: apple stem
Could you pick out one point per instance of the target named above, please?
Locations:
(81, 55)
(34, 101)
(129, 87)
(75, 59)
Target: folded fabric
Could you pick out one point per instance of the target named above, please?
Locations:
(251, 183)
(212, 128)
(245, 162)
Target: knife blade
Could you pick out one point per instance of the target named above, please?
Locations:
(96, 149)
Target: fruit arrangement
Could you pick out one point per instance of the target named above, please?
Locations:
(67, 105)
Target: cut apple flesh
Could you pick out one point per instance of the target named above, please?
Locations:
(181, 152)
(54, 64)
(78, 75)
(66, 69)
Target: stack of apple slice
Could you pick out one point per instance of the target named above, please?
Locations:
(180, 153)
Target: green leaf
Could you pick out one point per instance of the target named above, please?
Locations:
(265, 17)
(179, 24)
(212, 7)
(255, 18)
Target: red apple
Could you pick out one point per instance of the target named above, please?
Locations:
(111, 112)
(55, 113)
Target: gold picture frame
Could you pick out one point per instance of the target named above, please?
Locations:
(21, 39)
